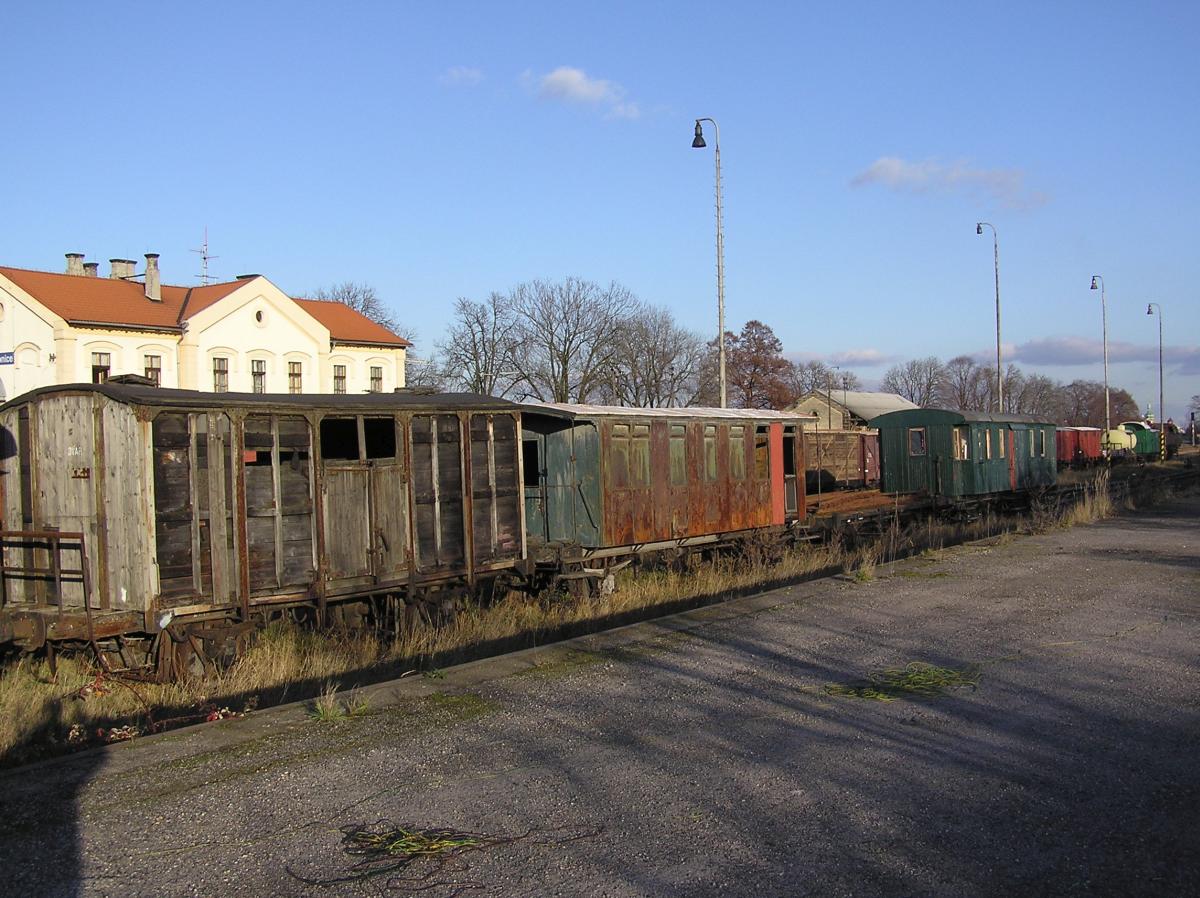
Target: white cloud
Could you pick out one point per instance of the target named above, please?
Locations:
(1004, 185)
(865, 357)
(461, 76)
(1088, 351)
(571, 85)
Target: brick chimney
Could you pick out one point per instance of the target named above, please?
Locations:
(91, 269)
(75, 264)
(121, 268)
(153, 284)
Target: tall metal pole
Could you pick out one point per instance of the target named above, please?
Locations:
(698, 142)
(1104, 324)
(1162, 418)
(979, 226)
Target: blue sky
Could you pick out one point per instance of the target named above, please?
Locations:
(452, 149)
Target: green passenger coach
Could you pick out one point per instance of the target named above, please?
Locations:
(960, 454)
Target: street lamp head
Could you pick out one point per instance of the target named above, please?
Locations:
(1094, 278)
(1149, 309)
(698, 141)
(979, 227)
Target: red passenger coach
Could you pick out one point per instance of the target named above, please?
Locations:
(608, 479)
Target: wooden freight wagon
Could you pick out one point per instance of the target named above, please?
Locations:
(834, 458)
(607, 481)
(130, 510)
(1078, 446)
(960, 454)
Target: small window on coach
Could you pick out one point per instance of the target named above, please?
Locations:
(1001, 441)
(737, 452)
(619, 457)
(678, 447)
(762, 454)
(1042, 442)
(710, 452)
(639, 455)
(987, 444)
(916, 441)
(962, 444)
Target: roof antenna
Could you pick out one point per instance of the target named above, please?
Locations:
(204, 276)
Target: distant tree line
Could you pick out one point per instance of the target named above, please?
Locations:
(963, 384)
(576, 341)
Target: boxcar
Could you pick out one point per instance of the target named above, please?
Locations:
(841, 458)
(608, 480)
(962, 454)
(1077, 446)
(130, 510)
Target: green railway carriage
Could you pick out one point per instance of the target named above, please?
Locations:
(960, 454)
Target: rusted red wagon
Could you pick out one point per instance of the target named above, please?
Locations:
(603, 482)
(1078, 446)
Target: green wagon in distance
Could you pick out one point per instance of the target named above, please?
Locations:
(955, 455)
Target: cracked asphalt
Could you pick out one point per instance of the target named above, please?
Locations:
(702, 755)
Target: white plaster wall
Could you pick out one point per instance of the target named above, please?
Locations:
(358, 361)
(257, 321)
(30, 337)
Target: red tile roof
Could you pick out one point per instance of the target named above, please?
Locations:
(112, 302)
(347, 325)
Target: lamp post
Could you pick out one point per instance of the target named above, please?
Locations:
(1104, 324)
(979, 226)
(1162, 419)
(698, 143)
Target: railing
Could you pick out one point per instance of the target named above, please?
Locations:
(29, 544)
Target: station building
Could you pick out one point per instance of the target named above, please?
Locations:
(244, 335)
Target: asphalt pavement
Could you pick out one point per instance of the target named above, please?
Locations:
(704, 755)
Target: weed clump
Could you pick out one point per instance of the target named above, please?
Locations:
(916, 680)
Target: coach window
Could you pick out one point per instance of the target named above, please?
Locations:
(916, 441)
(987, 444)
(762, 454)
(961, 444)
(737, 452)
(710, 452)
(379, 437)
(619, 460)
(1032, 437)
(339, 439)
(678, 455)
(1041, 442)
(639, 456)
(1000, 441)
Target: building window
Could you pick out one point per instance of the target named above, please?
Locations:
(916, 441)
(339, 379)
(258, 375)
(221, 375)
(101, 365)
(154, 369)
(295, 377)
(376, 379)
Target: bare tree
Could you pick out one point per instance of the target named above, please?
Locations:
(817, 377)
(964, 386)
(480, 345)
(567, 336)
(363, 299)
(917, 380)
(657, 363)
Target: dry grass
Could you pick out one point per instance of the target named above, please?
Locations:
(40, 714)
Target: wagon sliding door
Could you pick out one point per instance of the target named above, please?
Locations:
(366, 500)
(495, 503)
(437, 492)
(277, 464)
(193, 507)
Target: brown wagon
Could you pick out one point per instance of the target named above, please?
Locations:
(132, 514)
